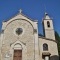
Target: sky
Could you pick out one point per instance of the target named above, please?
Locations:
(34, 9)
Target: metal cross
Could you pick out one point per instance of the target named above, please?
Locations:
(20, 10)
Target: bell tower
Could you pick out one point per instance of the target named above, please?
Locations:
(48, 28)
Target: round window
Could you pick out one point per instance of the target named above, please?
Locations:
(19, 31)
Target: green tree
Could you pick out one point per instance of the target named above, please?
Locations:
(58, 42)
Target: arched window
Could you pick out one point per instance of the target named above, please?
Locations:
(48, 24)
(45, 47)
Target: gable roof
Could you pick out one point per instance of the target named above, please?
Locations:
(21, 15)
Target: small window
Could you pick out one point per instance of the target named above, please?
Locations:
(19, 31)
(45, 47)
(48, 24)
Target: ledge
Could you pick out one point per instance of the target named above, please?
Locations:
(46, 54)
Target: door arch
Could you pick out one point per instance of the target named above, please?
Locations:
(18, 51)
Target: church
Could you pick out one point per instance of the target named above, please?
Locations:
(19, 39)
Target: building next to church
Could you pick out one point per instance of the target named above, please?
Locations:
(19, 39)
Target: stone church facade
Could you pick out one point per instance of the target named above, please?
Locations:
(19, 39)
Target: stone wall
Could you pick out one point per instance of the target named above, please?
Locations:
(52, 48)
(10, 37)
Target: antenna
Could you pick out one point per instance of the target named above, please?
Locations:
(45, 9)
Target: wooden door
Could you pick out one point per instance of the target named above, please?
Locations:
(17, 55)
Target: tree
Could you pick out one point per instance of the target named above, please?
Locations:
(58, 42)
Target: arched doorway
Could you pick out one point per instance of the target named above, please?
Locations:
(18, 51)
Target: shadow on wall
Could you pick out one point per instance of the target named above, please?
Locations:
(54, 57)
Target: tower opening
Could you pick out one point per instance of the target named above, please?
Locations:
(48, 24)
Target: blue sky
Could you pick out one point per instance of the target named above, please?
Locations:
(34, 9)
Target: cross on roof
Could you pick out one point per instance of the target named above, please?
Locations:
(20, 10)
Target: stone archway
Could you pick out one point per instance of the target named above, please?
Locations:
(18, 51)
